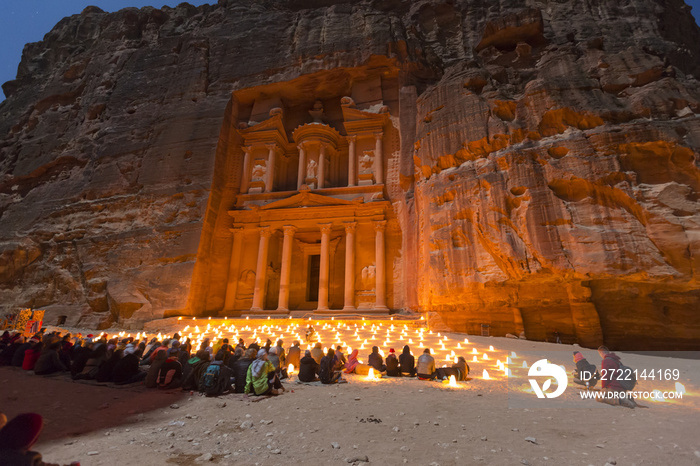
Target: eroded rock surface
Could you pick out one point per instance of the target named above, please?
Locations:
(549, 157)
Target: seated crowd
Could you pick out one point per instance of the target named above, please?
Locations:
(213, 369)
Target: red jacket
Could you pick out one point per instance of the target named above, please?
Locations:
(31, 356)
(611, 366)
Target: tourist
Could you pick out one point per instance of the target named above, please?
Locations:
(163, 347)
(241, 344)
(8, 353)
(407, 362)
(31, 356)
(17, 437)
(268, 345)
(310, 334)
(237, 354)
(106, 369)
(92, 366)
(18, 355)
(613, 379)
(276, 361)
(206, 345)
(261, 378)
(317, 353)
(326, 372)
(151, 380)
(392, 364)
(308, 368)
(459, 370)
(193, 369)
(586, 374)
(281, 354)
(150, 348)
(49, 362)
(352, 362)
(294, 355)
(216, 380)
(375, 360)
(425, 369)
(170, 373)
(240, 370)
(126, 370)
(339, 359)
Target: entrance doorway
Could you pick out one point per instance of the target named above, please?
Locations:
(313, 278)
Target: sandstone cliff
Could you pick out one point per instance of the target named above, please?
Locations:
(549, 157)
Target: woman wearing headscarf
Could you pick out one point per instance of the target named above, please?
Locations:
(261, 378)
(352, 362)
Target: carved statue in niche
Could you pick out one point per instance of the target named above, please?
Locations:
(246, 285)
(369, 274)
(259, 171)
(317, 112)
(311, 169)
(367, 161)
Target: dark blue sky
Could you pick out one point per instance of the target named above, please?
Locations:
(24, 21)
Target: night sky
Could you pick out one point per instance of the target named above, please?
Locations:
(24, 21)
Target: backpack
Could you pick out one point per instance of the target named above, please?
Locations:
(213, 382)
(628, 378)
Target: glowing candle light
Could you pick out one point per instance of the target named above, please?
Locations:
(525, 365)
(508, 360)
(485, 375)
(491, 348)
(290, 369)
(680, 388)
(453, 382)
(370, 374)
(485, 357)
(475, 359)
(466, 342)
(474, 351)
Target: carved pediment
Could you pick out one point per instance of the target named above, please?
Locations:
(270, 130)
(356, 121)
(308, 199)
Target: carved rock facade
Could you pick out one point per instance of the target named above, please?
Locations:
(541, 167)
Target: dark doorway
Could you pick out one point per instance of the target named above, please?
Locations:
(312, 279)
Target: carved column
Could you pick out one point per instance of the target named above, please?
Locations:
(378, 159)
(283, 302)
(234, 269)
(380, 292)
(349, 304)
(245, 177)
(301, 177)
(261, 270)
(324, 271)
(352, 160)
(270, 181)
(322, 166)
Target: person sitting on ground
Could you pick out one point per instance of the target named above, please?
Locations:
(281, 354)
(268, 345)
(339, 359)
(150, 348)
(255, 346)
(49, 362)
(17, 437)
(294, 355)
(240, 370)
(241, 344)
(126, 370)
(612, 380)
(237, 354)
(586, 373)
(308, 368)
(92, 366)
(31, 356)
(170, 373)
(310, 334)
(392, 364)
(81, 354)
(193, 369)
(8, 353)
(206, 345)
(163, 347)
(317, 353)
(66, 348)
(18, 355)
(151, 380)
(221, 344)
(217, 379)
(375, 360)
(425, 369)
(407, 363)
(274, 358)
(261, 378)
(460, 370)
(226, 351)
(106, 371)
(352, 362)
(326, 372)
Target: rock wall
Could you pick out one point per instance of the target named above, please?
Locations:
(549, 157)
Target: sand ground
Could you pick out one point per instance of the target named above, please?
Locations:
(390, 421)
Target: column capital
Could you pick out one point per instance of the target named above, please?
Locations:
(236, 231)
(265, 232)
(325, 227)
(379, 225)
(302, 145)
(247, 149)
(378, 135)
(350, 227)
(289, 230)
(272, 146)
(351, 137)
